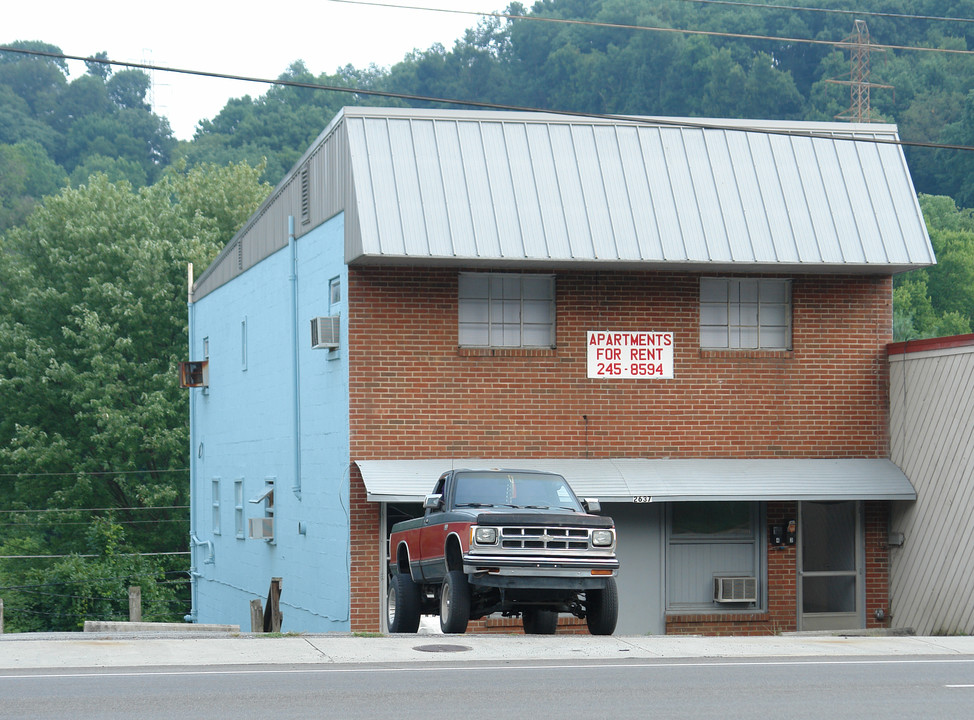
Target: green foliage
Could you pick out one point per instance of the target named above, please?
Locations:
(98, 114)
(63, 595)
(92, 327)
(26, 174)
(939, 300)
(275, 128)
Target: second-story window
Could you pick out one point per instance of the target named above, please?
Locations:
(745, 313)
(506, 310)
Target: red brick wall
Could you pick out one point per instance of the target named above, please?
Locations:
(364, 517)
(414, 394)
(877, 563)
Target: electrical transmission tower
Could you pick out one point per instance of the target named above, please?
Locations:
(859, 47)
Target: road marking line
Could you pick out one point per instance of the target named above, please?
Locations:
(426, 666)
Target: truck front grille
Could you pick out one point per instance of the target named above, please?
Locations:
(540, 538)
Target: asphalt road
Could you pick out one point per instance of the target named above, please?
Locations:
(927, 687)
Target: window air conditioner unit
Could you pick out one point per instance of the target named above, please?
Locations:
(325, 332)
(735, 589)
(195, 373)
(261, 528)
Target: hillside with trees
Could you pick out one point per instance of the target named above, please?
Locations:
(101, 208)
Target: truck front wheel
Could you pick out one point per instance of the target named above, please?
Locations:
(404, 604)
(602, 609)
(454, 603)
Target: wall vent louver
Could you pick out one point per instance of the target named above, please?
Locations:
(325, 332)
(305, 195)
(735, 589)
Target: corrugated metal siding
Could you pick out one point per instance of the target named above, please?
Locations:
(621, 479)
(266, 231)
(520, 187)
(932, 439)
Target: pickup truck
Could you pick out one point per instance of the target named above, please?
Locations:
(515, 542)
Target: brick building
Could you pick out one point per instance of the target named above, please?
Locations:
(687, 319)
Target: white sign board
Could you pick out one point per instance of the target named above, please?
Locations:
(630, 354)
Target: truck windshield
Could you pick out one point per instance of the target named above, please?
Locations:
(511, 489)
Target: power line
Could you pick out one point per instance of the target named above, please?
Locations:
(108, 579)
(75, 473)
(88, 555)
(646, 28)
(832, 11)
(112, 509)
(702, 124)
(88, 522)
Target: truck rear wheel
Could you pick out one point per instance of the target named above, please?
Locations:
(537, 621)
(454, 603)
(602, 609)
(404, 604)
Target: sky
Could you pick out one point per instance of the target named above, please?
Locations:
(257, 40)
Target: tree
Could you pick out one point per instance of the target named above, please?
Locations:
(92, 326)
(128, 89)
(277, 126)
(62, 596)
(939, 300)
(131, 134)
(26, 174)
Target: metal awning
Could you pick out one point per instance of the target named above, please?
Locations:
(663, 480)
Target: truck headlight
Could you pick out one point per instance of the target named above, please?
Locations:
(485, 535)
(602, 538)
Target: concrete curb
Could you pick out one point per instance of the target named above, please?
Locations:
(98, 626)
(117, 650)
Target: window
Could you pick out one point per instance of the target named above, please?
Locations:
(746, 313)
(238, 509)
(215, 484)
(334, 291)
(711, 519)
(708, 540)
(243, 343)
(506, 310)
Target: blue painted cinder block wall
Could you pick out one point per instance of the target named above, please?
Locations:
(243, 430)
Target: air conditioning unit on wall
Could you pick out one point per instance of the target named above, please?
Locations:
(325, 332)
(735, 589)
(261, 528)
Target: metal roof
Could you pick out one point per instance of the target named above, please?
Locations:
(664, 480)
(520, 188)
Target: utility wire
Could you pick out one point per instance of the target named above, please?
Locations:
(858, 136)
(67, 523)
(91, 555)
(832, 11)
(108, 579)
(111, 509)
(648, 28)
(75, 473)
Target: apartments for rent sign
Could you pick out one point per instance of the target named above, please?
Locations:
(630, 354)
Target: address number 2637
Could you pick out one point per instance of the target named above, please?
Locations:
(642, 498)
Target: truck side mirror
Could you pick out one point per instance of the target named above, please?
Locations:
(433, 502)
(592, 505)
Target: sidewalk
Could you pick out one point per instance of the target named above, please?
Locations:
(104, 650)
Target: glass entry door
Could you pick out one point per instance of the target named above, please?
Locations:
(830, 566)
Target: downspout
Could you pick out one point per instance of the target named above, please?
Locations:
(193, 540)
(295, 367)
